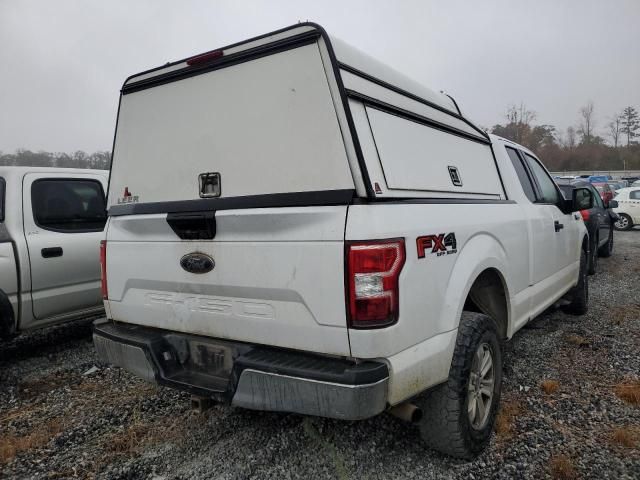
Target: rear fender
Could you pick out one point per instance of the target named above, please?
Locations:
(481, 252)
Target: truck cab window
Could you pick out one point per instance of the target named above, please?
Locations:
(68, 205)
(523, 176)
(548, 188)
(596, 197)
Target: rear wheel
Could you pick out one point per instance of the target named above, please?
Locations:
(624, 222)
(580, 293)
(607, 249)
(459, 415)
(7, 322)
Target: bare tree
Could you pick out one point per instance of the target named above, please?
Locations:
(630, 124)
(519, 119)
(615, 129)
(571, 138)
(587, 123)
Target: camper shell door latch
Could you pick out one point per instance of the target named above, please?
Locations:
(209, 184)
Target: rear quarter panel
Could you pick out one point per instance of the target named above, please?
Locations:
(433, 288)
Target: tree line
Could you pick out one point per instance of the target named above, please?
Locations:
(580, 147)
(99, 160)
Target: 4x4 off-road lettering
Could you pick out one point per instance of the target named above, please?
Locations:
(440, 244)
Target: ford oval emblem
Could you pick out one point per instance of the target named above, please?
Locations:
(197, 263)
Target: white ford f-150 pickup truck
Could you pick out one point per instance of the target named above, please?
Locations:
(51, 224)
(294, 226)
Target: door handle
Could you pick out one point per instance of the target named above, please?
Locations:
(51, 252)
(558, 226)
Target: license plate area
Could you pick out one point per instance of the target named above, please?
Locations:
(197, 362)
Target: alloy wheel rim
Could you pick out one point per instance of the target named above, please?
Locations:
(480, 391)
(622, 222)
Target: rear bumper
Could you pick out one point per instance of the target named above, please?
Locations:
(245, 375)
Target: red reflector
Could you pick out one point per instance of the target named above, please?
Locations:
(585, 214)
(103, 269)
(372, 270)
(205, 57)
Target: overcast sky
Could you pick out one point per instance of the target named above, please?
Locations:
(63, 62)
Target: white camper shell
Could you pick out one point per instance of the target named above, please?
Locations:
(294, 226)
(333, 118)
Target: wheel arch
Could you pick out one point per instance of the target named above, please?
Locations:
(480, 269)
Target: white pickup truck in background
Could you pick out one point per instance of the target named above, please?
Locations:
(294, 226)
(51, 224)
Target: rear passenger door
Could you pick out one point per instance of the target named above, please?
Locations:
(541, 231)
(564, 247)
(64, 218)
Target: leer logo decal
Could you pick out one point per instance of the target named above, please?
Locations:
(440, 244)
(127, 197)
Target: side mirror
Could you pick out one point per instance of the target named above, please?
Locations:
(581, 199)
(613, 204)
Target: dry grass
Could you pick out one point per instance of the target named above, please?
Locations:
(505, 420)
(623, 313)
(11, 445)
(549, 386)
(21, 411)
(130, 440)
(32, 388)
(626, 437)
(142, 433)
(561, 467)
(628, 391)
(577, 340)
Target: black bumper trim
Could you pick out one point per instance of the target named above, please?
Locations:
(292, 363)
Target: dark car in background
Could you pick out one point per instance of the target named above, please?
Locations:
(599, 221)
(630, 179)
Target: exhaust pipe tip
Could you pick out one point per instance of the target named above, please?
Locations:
(407, 412)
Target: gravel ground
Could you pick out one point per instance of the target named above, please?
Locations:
(62, 418)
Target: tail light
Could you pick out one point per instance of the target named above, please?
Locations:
(585, 214)
(373, 269)
(103, 269)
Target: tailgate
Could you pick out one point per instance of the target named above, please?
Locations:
(278, 277)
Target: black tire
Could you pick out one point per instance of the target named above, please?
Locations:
(579, 295)
(593, 256)
(446, 425)
(607, 249)
(624, 222)
(7, 321)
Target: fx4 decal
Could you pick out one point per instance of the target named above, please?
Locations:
(440, 244)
